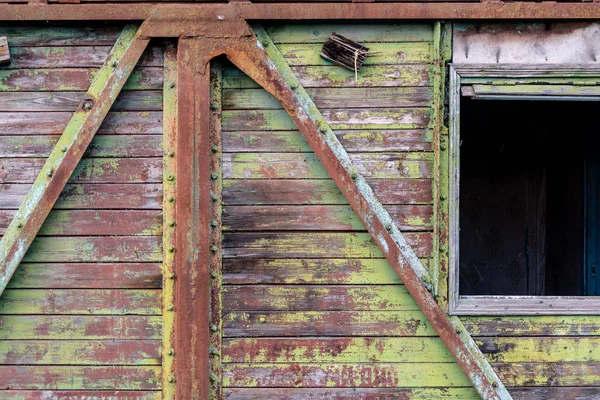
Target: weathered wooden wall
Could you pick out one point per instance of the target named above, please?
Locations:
(82, 315)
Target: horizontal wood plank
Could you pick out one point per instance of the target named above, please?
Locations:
(65, 34)
(130, 100)
(379, 53)
(89, 170)
(81, 301)
(354, 271)
(80, 394)
(95, 249)
(349, 118)
(87, 276)
(54, 123)
(314, 245)
(308, 166)
(326, 323)
(312, 76)
(66, 79)
(99, 222)
(354, 141)
(344, 375)
(69, 327)
(80, 377)
(80, 352)
(91, 196)
(314, 298)
(358, 32)
(294, 218)
(101, 146)
(542, 325)
(326, 98)
(85, 56)
(281, 192)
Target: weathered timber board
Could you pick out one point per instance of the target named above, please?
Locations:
(69, 327)
(308, 166)
(355, 271)
(80, 352)
(87, 276)
(319, 323)
(73, 57)
(381, 53)
(313, 217)
(117, 146)
(72, 79)
(354, 141)
(334, 76)
(92, 223)
(54, 123)
(81, 301)
(315, 298)
(341, 118)
(281, 191)
(65, 34)
(89, 170)
(95, 249)
(80, 377)
(325, 98)
(80, 394)
(131, 100)
(91, 196)
(363, 32)
(314, 245)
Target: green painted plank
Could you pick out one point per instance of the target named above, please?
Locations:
(379, 54)
(64, 34)
(537, 325)
(355, 394)
(358, 32)
(80, 395)
(312, 76)
(77, 301)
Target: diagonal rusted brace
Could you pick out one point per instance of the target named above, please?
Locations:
(68, 151)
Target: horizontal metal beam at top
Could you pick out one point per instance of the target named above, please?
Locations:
(308, 11)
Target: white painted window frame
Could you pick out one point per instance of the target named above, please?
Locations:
(503, 305)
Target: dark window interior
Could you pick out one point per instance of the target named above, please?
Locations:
(528, 197)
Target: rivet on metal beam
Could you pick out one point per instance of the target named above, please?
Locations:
(171, 178)
(87, 104)
(354, 176)
(49, 173)
(171, 85)
(458, 331)
(214, 351)
(171, 223)
(214, 106)
(64, 149)
(214, 328)
(214, 176)
(170, 308)
(214, 223)
(171, 275)
(443, 147)
(214, 274)
(214, 249)
(212, 377)
(442, 197)
(293, 87)
(171, 249)
(113, 64)
(171, 352)
(171, 153)
(214, 149)
(19, 225)
(388, 227)
(443, 248)
(323, 129)
(265, 44)
(170, 199)
(214, 197)
(171, 379)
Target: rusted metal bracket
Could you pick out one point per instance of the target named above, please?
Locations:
(68, 151)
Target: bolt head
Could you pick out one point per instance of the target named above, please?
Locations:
(495, 384)
(323, 129)
(214, 328)
(64, 149)
(171, 223)
(442, 197)
(443, 147)
(214, 249)
(214, 197)
(171, 352)
(265, 44)
(171, 379)
(87, 104)
(354, 176)
(113, 64)
(443, 248)
(214, 106)
(171, 249)
(214, 149)
(293, 87)
(458, 331)
(388, 228)
(171, 153)
(49, 173)
(214, 274)
(214, 351)
(214, 223)
(170, 199)
(170, 308)
(214, 176)
(171, 85)
(171, 275)
(19, 225)
(171, 178)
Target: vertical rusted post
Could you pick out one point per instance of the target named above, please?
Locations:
(169, 217)
(192, 205)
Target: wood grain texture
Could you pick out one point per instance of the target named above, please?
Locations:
(80, 394)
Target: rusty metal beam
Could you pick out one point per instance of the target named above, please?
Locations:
(68, 151)
(270, 70)
(193, 251)
(313, 11)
